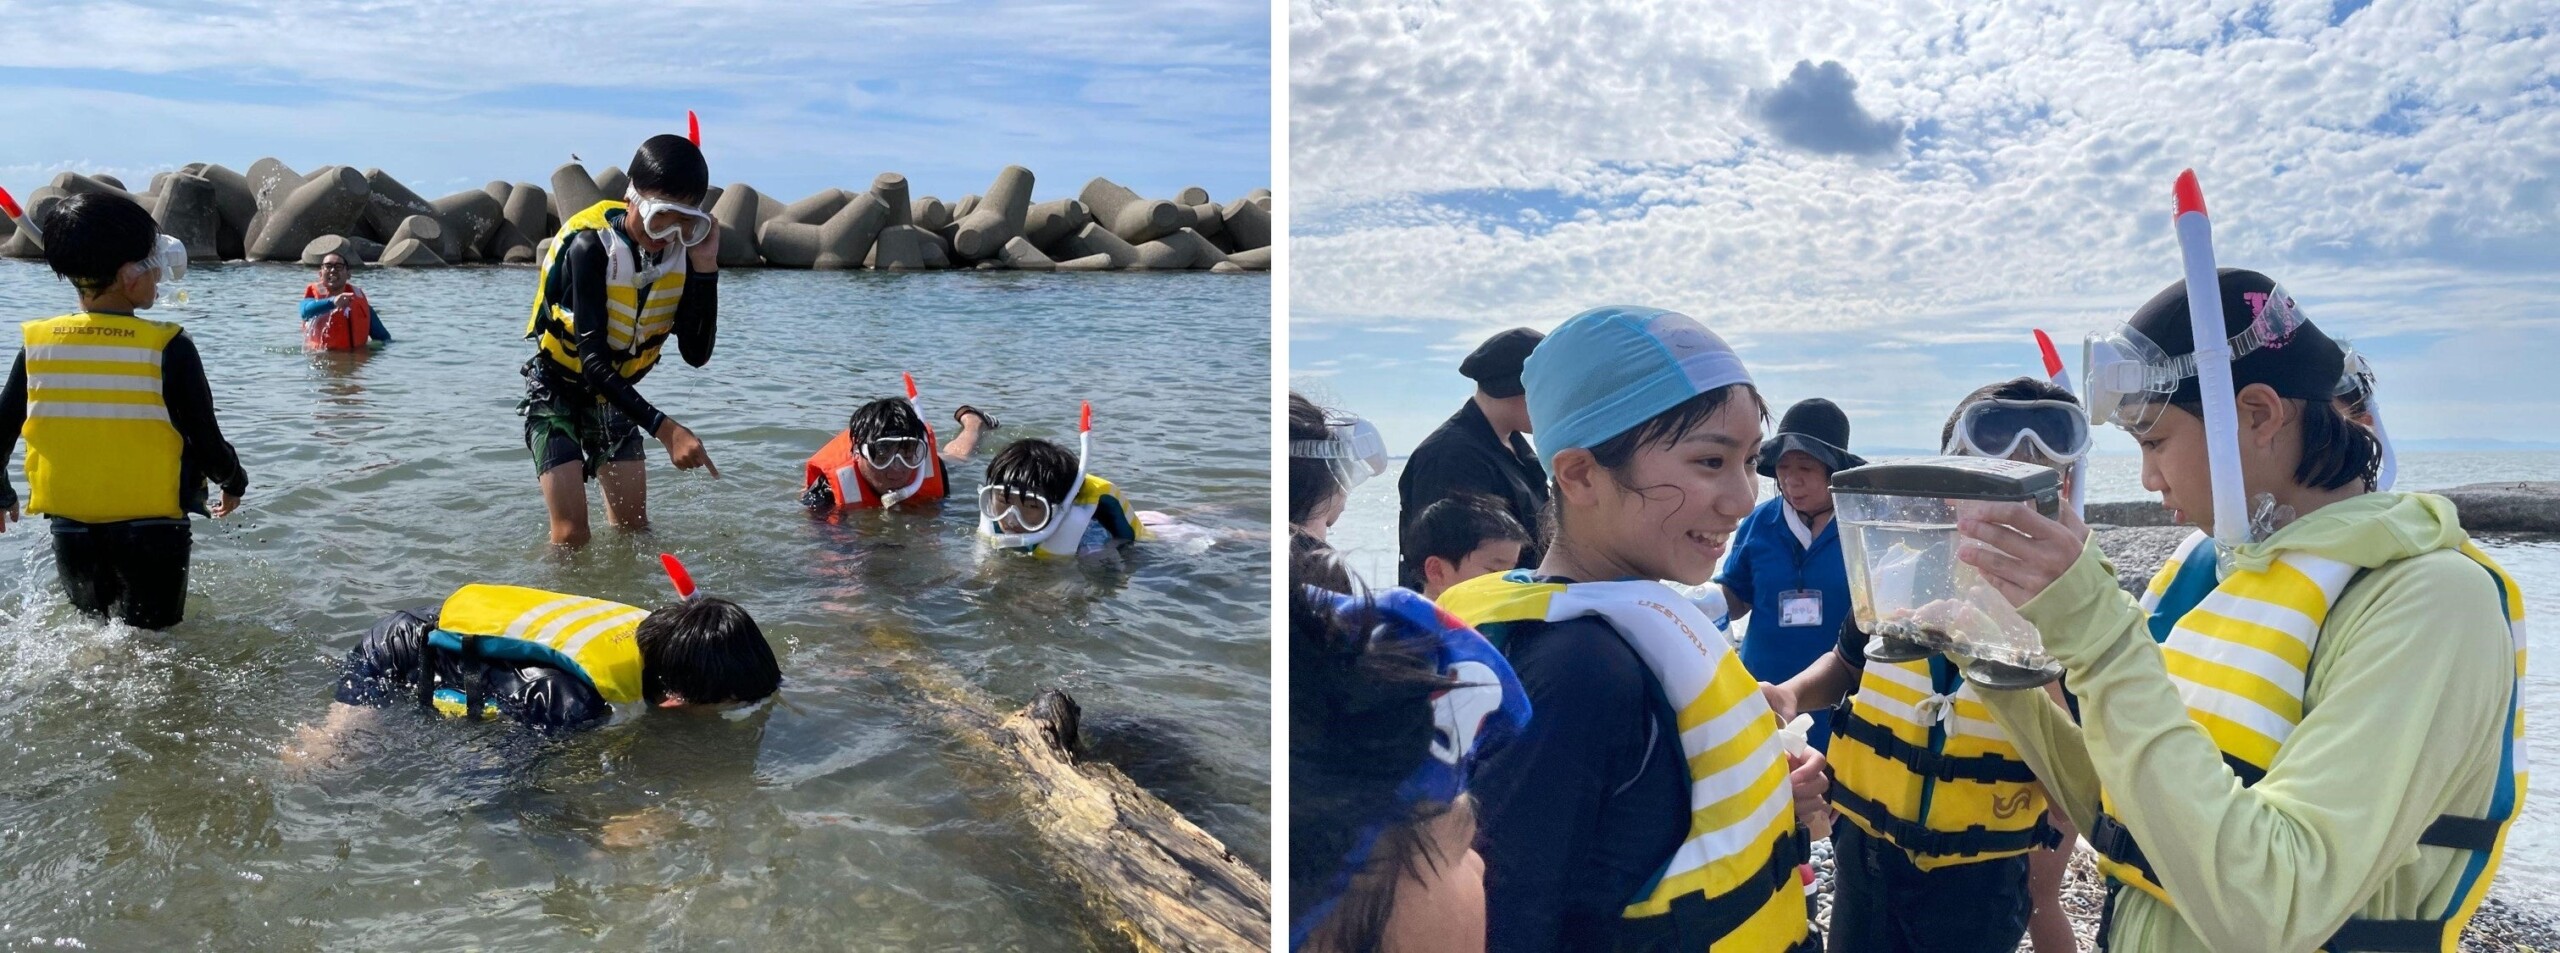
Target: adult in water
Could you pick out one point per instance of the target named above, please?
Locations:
(1481, 449)
(622, 277)
(2308, 739)
(1786, 569)
(1651, 803)
(336, 315)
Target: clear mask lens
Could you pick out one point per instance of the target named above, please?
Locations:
(889, 453)
(1354, 449)
(169, 258)
(671, 221)
(2057, 430)
(1028, 512)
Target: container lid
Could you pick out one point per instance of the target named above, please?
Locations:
(1952, 478)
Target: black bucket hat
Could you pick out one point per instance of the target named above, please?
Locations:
(1818, 428)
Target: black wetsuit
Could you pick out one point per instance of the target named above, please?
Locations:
(382, 672)
(563, 421)
(136, 570)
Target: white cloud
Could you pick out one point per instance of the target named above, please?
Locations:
(2400, 172)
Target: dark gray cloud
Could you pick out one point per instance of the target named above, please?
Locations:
(1816, 109)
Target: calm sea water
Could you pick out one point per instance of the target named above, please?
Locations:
(142, 803)
(2531, 874)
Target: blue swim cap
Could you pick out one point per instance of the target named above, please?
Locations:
(1609, 369)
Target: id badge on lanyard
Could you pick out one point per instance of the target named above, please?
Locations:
(1798, 608)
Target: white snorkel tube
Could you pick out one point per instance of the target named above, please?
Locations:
(923, 466)
(2213, 365)
(1084, 465)
(2080, 467)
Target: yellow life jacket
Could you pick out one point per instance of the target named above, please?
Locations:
(2240, 653)
(591, 639)
(1731, 887)
(100, 448)
(1097, 501)
(1916, 761)
(640, 304)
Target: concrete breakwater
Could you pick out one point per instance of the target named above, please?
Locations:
(272, 213)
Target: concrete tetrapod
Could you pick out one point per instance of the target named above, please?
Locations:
(352, 249)
(998, 217)
(613, 183)
(573, 191)
(787, 244)
(900, 248)
(931, 215)
(498, 189)
(1094, 240)
(816, 208)
(736, 213)
(1248, 226)
(190, 211)
(470, 218)
(330, 202)
(529, 209)
(270, 181)
(231, 195)
(508, 244)
(846, 239)
(1132, 218)
(1049, 223)
(424, 229)
(1191, 195)
(1019, 255)
(1184, 249)
(410, 253)
(891, 189)
(390, 201)
(1206, 218)
(1252, 259)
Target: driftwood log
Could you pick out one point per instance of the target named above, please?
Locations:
(1146, 876)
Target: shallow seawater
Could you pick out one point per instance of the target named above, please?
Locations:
(143, 804)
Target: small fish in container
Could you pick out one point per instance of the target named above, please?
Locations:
(1909, 592)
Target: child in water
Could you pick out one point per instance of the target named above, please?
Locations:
(887, 456)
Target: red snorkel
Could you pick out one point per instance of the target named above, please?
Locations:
(676, 574)
(693, 128)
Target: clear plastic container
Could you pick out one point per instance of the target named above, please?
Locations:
(1907, 589)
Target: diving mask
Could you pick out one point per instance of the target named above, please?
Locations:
(1353, 448)
(670, 221)
(2057, 429)
(2128, 379)
(892, 453)
(1027, 509)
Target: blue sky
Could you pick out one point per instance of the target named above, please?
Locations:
(794, 97)
(1875, 202)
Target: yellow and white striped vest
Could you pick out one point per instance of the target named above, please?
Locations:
(640, 307)
(100, 448)
(2240, 654)
(1731, 885)
(591, 639)
(1929, 771)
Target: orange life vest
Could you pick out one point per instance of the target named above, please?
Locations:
(342, 329)
(834, 463)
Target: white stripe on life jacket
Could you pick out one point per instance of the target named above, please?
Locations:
(2246, 658)
(578, 640)
(94, 352)
(524, 621)
(1733, 838)
(549, 634)
(2234, 708)
(40, 381)
(84, 410)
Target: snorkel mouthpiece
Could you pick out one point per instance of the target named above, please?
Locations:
(676, 574)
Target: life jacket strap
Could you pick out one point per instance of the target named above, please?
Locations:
(1920, 839)
(1709, 918)
(1987, 769)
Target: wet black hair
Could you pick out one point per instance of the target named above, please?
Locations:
(2015, 388)
(90, 237)
(672, 166)
(1664, 429)
(1360, 723)
(1311, 482)
(707, 651)
(1453, 527)
(886, 417)
(1043, 467)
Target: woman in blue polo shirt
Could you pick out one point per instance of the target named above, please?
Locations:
(1786, 569)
